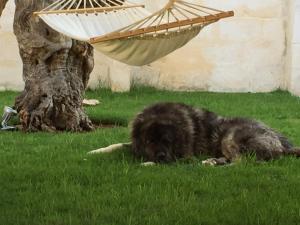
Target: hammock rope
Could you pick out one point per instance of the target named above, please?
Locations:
(86, 6)
(126, 31)
(178, 15)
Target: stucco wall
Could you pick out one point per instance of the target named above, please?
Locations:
(255, 51)
(10, 62)
(295, 48)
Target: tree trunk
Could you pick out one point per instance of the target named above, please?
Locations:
(56, 71)
(2, 5)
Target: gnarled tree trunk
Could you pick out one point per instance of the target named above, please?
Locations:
(2, 5)
(56, 70)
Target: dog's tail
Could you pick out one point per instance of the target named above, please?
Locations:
(293, 152)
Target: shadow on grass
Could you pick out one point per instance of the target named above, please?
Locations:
(109, 122)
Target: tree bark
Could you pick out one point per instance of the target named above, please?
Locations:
(2, 5)
(56, 71)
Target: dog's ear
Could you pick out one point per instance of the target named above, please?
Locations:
(136, 123)
(140, 117)
(135, 148)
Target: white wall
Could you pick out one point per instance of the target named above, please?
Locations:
(10, 62)
(240, 54)
(295, 49)
(253, 51)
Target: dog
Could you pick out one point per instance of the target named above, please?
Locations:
(166, 132)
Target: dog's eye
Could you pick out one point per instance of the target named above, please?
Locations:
(165, 140)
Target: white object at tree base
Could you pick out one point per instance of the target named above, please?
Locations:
(90, 102)
(8, 113)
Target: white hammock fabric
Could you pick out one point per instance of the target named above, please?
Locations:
(85, 25)
(126, 31)
(139, 51)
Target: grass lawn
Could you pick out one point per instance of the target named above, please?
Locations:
(47, 179)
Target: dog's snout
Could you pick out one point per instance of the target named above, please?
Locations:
(161, 156)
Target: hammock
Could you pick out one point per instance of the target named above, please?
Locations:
(126, 31)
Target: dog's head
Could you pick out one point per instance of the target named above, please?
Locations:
(159, 140)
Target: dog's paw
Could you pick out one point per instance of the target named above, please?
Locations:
(210, 162)
(148, 164)
(215, 162)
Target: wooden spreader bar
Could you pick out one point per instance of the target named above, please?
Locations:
(166, 26)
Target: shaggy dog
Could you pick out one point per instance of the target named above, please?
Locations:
(165, 132)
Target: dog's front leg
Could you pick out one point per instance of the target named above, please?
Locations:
(110, 148)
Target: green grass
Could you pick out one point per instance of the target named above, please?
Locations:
(47, 179)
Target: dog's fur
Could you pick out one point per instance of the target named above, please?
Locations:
(165, 132)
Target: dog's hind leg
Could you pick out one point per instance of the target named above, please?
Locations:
(293, 152)
(109, 149)
(229, 148)
(230, 151)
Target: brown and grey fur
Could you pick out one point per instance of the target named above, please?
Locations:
(165, 132)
